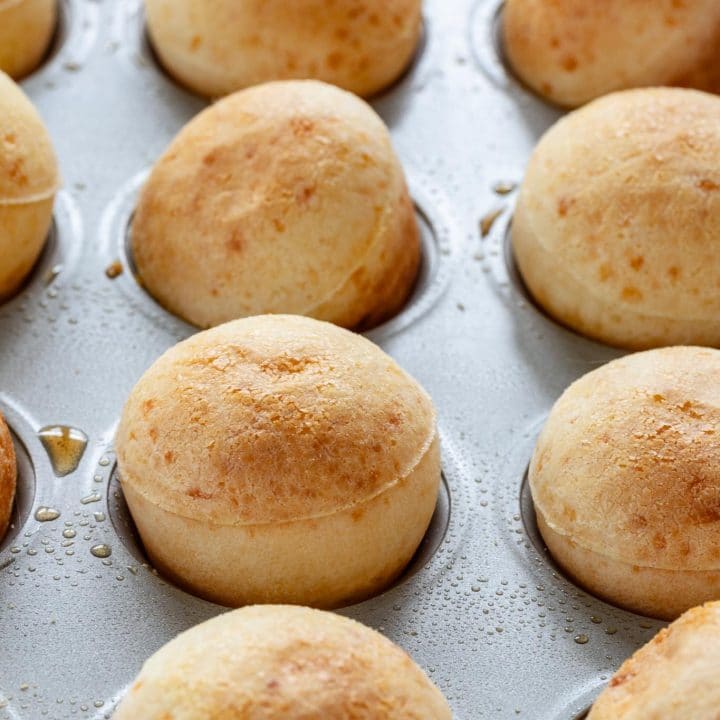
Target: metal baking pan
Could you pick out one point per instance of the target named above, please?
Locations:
(482, 607)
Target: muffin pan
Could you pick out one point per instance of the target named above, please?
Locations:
(482, 607)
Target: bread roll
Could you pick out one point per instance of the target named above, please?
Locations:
(285, 198)
(618, 220)
(278, 662)
(28, 182)
(626, 480)
(26, 29)
(279, 459)
(216, 47)
(8, 477)
(673, 677)
(572, 51)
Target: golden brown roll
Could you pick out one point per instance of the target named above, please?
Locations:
(216, 47)
(572, 51)
(618, 220)
(8, 477)
(279, 459)
(285, 198)
(625, 478)
(28, 182)
(278, 662)
(673, 677)
(26, 28)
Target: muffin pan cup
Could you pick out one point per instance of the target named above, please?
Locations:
(483, 609)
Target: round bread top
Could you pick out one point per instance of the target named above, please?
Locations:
(572, 51)
(268, 201)
(271, 419)
(218, 46)
(283, 662)
(628, 463)
(626, 194)
(28, 168)
(8, 476)
(674, 676)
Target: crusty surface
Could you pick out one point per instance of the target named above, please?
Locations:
(26, 28)
(219, 46)
(271, 419)
(628, 463)
(286, 197)
(572, 51)
(28, 168)
(617, 222)
(8, 476)
(673, 677)
(275, 662)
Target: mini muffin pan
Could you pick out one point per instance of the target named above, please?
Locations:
(482, 607)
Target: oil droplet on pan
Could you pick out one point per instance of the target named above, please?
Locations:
(114, 269)
(65, 447)
(582, 639)
(101, 551)
(52, 273)
(46, 514)
(487, 222)
(504, 187)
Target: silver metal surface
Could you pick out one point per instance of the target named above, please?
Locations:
(483, 610)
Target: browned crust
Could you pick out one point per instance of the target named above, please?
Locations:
(220, 46)
(673, 677)
(269, 419)
(28, 167)
(284, 198)
(628, 463)
(572, 51)
(283, 663)
(615, 227)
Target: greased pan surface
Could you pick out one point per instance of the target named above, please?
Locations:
(482, 607)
